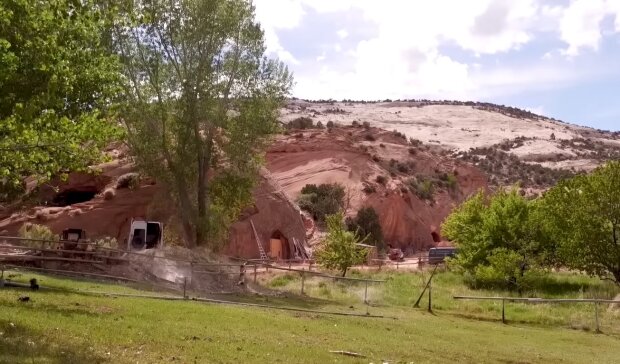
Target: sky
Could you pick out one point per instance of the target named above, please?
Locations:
(558, 58)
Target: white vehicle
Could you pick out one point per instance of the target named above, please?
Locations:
(145, 235)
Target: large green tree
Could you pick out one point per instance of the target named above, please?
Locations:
(499, 237)
(203, 100)
(583, 215)
(57, 85)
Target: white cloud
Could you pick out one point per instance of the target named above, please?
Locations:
(270, 14)
(406, 57)
(580, 25)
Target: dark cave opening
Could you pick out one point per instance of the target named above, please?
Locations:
(73, 196)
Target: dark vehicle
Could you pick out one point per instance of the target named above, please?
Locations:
(396, 255)
(438, 255)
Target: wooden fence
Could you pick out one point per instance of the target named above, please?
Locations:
(596, 302)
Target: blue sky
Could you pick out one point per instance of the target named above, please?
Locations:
(560, 58)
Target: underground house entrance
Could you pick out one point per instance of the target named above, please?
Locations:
(278, 246)
(73, 196)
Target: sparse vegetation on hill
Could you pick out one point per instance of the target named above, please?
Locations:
(507, 169)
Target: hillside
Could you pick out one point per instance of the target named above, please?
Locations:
(509, 144)
(412, 188)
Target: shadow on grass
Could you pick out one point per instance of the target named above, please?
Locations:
(38, 307)
(19, 344)
(286, 299)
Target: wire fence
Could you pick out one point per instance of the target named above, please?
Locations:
(376, 288)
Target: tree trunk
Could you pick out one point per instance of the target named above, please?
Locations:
(344, 272)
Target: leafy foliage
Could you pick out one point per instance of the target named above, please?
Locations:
(366, 223)
(57, 89)
(322, 200)
(203, 102)
(499, 238)
(339, 249)
(583, 216)
(36, 232)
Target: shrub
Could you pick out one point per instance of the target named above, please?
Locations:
(330, 124)
(381, 180)
(376, 158)
(322, 200)
(422, 187)
(381, 145)
(366, 224)
(128, 180)
(319, 125)
(109, 194)
(281, 281)
(302, 122)
(402, 167)
(370, 137)
(412, 151)
(355, 123)
(36, 232)
(368, 188)
(366, 125)
(107, 242)
(415, 142)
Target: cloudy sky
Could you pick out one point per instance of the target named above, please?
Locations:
(560, 58)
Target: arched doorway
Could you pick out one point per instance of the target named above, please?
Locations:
(278, 246)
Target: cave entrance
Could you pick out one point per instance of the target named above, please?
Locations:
(73, 196)
(278, 246)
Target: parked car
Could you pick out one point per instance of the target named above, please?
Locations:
(396, 255)
(438, 255)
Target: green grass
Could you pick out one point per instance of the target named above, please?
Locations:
(62, 326)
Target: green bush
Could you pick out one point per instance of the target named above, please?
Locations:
(366, 224)
(302, 122)
(322, 200)
(281, 281)
(36, 232)
(128, 180)
(422, 187)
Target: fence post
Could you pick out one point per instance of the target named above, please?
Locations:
(598, 330)
(430, 296)
(366, 294)
(397, 265)
(503, 311)
(184, 287)
(254, 273)
(303, 278)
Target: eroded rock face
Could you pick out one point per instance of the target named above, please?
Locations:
(356, 156)
(353, 157)
(103, 216)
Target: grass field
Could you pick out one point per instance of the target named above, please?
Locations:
(64, 326)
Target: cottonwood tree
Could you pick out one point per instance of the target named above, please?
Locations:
(203, 100)
(340, 250)
(499, 238)
(58, 84)
(583, 215)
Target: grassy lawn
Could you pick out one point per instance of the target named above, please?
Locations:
(63, 326)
